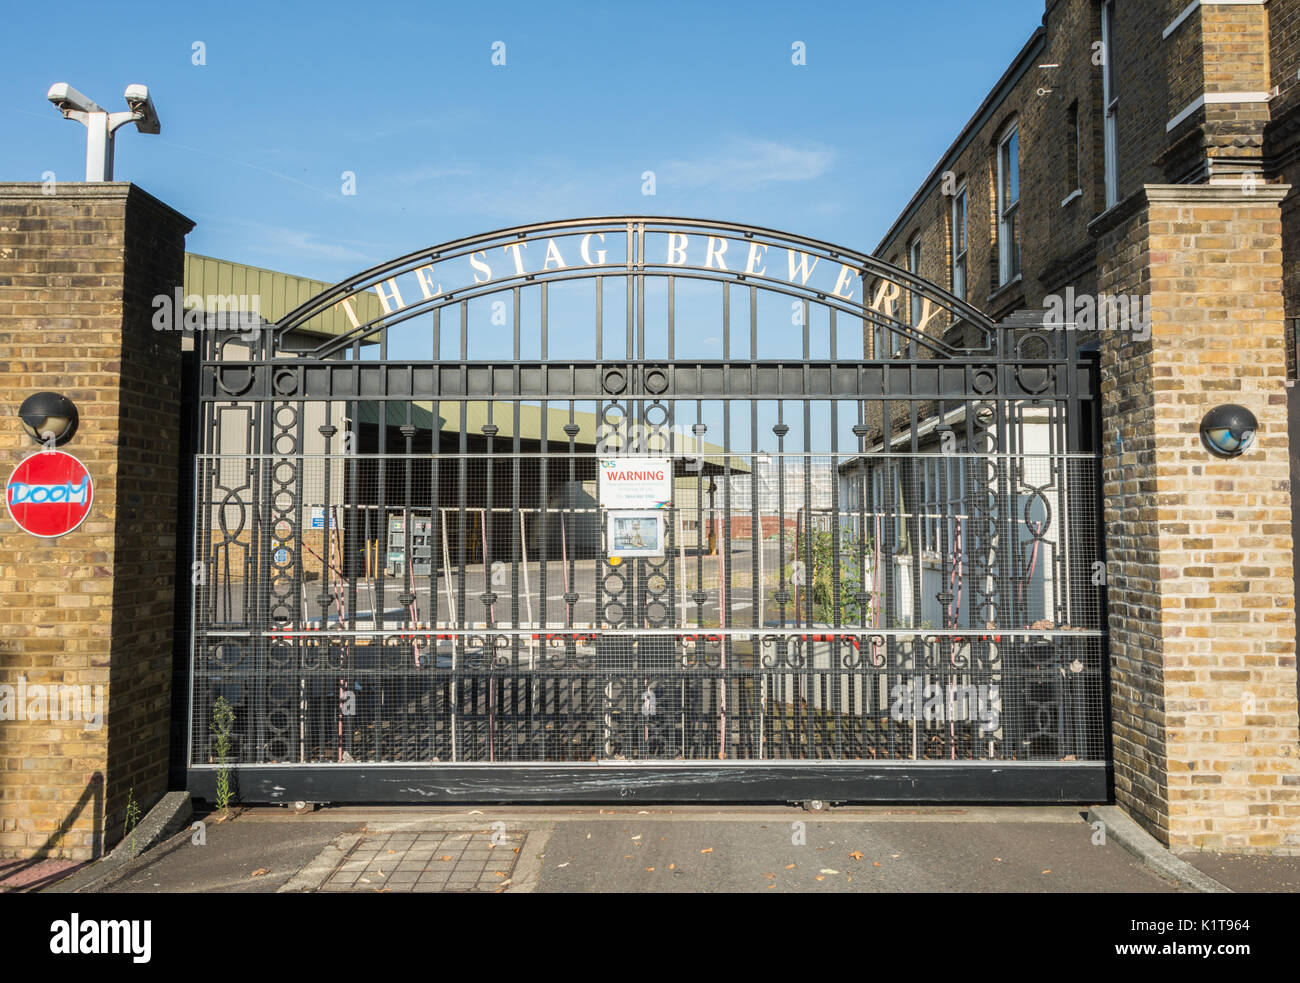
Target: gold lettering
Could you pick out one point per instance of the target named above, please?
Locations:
(585, 249)
(844, 282)
(804, 270)
(553, 254)
(384, 300)
(677, 243)
(928, 312)
(424, 275)
(888, 292)
(480, 266)
(519, 263)
(714, 249)
(346, 304)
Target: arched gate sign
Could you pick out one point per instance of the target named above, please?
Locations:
(647, 508)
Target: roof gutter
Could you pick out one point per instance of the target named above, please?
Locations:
(1032, 49)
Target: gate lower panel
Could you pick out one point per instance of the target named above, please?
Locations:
(913, 782)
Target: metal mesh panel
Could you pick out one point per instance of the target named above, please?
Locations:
(881, 606)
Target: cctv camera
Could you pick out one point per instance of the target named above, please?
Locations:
(68, 100)
(139, 102)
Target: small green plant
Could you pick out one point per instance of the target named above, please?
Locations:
(132, 818)
(223, 722)
(820, 580)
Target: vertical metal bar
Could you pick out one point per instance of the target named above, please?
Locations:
(600, 317)
(461, 532)
(809, 681)
(633, 262)
(401, 725)
(728, 645)
(516, 467)
(786, 682)
(442, 692)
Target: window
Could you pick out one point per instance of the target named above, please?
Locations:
(892, 510)
(882, 347)
(1009, 206)
(1073, 176)
(883, 336)
(959, 243)
(914, 267)
(930, 504)
(1110, 99)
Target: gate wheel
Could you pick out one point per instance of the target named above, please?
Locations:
(301, 808)
(815, 805)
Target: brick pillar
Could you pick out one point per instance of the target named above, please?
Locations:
(1202, 619)
(78, 272)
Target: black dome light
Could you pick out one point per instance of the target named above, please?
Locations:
(1228, 430)
(49, 414)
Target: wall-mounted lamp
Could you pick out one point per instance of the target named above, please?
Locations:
(46, 415)
(1228, 430)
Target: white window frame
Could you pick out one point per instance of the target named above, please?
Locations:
(1110, 103)
(884, 337)
(931, 507)
(959, 244)
(1009, 260)
(899, 517)
(914, 267)
(1076, 137)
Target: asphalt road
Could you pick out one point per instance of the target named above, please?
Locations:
(691, 849)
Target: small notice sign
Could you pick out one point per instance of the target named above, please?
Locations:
(318, 518)
(635, 534)
(636, 482)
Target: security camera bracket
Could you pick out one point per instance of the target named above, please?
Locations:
(101, 125)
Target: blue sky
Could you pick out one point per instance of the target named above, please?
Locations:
(445, 144)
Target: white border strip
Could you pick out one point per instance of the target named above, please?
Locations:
(1187, 11)
(1216, 98)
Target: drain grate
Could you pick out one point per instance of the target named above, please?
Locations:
(443, 861)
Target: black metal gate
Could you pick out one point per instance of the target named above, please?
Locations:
(875, 577)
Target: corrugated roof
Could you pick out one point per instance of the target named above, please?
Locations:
(277, 293)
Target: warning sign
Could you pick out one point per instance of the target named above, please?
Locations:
(636, 482)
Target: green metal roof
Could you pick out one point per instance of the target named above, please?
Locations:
(277, 293)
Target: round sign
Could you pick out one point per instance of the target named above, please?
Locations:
(49, 494)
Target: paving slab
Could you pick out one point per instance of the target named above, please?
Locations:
(1249, 873)
(18, 876)
(434, 860)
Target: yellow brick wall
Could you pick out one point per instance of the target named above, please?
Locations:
(78, 270)
(1202, 623)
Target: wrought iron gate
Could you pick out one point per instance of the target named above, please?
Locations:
(877, 577)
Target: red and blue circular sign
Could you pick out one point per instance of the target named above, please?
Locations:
(49, 494)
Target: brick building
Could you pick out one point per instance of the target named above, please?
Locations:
(1061, 140)
(1137, 159)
